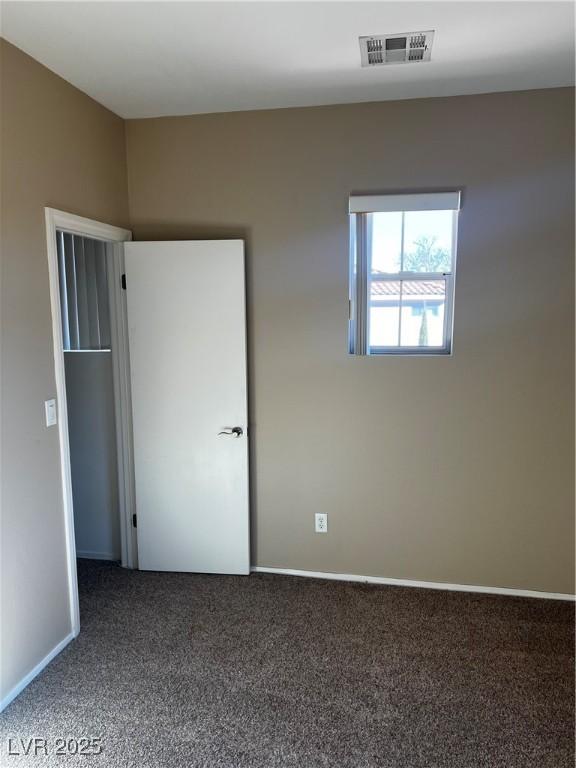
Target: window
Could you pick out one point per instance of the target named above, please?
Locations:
(83, 293)
(402, 261)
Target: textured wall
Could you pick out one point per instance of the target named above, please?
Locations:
(449, 469)
(60, 149)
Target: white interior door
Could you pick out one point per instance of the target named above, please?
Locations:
(187, 335)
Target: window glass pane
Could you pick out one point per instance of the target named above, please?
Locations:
(423, 304)
(384, 313)
(428, 241)
(81, 293)
(102, 291)
(71, 293)
(386, 241)
(63, 291)
(92, 292)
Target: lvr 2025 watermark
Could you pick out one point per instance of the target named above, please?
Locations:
(36, 746)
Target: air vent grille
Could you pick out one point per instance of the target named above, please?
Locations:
(417, 54)
(374, 45)
(402, 48)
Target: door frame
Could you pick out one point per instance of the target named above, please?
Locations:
(78, 225)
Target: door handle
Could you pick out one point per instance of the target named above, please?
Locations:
(236, 431)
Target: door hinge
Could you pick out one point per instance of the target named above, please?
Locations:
(134, 521)
(124, 281)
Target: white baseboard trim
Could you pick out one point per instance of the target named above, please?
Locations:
(19, 687)
(87, 555)
(422, 584)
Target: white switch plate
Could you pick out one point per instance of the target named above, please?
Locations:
(50, 408)
(321, 522)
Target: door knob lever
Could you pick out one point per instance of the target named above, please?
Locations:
(236, 431)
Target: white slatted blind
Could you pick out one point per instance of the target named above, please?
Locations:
(83, 292)
(428, 201)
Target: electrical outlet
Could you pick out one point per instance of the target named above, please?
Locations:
(321, 522)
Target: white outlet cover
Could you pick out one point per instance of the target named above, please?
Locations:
(321, 522)
(50, 408)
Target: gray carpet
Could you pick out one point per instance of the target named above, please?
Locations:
(175, 671)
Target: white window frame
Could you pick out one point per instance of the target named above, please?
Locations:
(360, 209)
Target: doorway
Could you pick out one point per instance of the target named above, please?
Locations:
(87, 342)
(173, 354)
(86, 263)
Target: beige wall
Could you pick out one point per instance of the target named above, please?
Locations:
(455, 469)
(459, 469)
(61, 149)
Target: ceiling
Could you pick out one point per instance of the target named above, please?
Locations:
(146, 59)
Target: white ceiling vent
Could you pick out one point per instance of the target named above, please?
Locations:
(403, 48)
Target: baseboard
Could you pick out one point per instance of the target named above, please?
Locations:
(87, 555)
(421, 584)
(19, 687)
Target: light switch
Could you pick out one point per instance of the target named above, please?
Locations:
(50, 407)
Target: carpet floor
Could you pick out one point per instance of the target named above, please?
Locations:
(191, 671)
